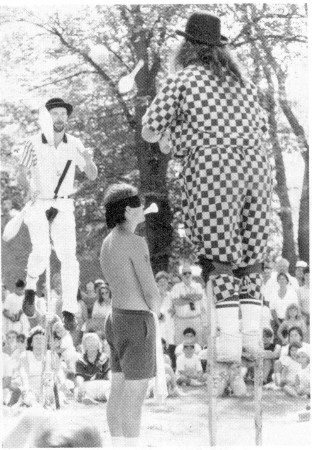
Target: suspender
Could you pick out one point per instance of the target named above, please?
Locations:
(60, 181)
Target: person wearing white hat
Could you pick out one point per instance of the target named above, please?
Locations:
(52, 168)
(299, 272)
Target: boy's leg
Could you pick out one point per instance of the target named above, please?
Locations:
(115, 405)
(133, 397)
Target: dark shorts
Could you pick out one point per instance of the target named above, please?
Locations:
(131, 336)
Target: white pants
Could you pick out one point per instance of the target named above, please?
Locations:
(63, 234)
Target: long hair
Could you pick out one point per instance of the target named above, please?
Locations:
(211, 56)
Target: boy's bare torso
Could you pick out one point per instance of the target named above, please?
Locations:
(126, 267)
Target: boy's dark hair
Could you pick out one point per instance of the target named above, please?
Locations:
(189, 330)
(298, 329)
(20, 284)
(113, 202)
(160, 275)
(306, 270)
(267, 332)
(293, 345)
(21, 338)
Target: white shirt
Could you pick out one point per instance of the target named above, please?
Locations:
(7, 366)
(284, 351)
(280, 304)
(192, 363)
(100, 310)
(47, 164)
(180, 290)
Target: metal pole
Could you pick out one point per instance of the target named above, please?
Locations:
(211, 380)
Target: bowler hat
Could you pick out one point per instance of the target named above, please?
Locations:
(59, 103)
(203, 28)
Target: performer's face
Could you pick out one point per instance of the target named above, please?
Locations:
(59, 118)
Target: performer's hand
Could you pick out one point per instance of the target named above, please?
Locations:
(87, 153)
(164, 144)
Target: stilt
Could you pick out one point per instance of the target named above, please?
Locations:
(211, 374)
(50, 398)
(258, 382)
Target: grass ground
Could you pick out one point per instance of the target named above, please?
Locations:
(183, 422)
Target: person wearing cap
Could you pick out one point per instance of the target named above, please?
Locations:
(299, 272)
(215, 124)
(46, 162)
(130, 329)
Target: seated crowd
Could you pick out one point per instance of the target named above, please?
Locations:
(81, 357)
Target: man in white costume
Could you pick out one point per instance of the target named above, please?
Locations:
(52, 170)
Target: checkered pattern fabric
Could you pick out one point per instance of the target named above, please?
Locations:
(251, 288)
(225, 288)
(226, 195)
(200, 110)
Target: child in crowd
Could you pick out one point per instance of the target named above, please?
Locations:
(64, 347)
(92, 372)
(290, 369)
(302, 383)
(189, 369)
(292, 318)
(271, 353)
(189, 337)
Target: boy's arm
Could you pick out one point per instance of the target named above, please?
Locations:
(143, 270)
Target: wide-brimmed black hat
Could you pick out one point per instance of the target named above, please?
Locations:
(203, 28)
(59, 103)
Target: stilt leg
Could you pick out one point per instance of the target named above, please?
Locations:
(258, 377)
(211, 372)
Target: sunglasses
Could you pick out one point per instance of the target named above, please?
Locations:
(189, 346)
(187, 273)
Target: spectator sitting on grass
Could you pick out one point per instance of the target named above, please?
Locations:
(189, 369)
(92, 372)
(294, 335)
(271, 353)
(290, 370)
(64, 347)
(302, 383)
(189, 337)
(292, 318)
(10, 344)
(10, 393)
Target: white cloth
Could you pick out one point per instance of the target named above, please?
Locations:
(6, 366)
(167, 326)
(266, 317)
(280, 304)
(192, 363)
(160, 389)
(63, 234)
(13, 303)
(47, 164)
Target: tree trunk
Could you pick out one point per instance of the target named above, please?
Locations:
(288, 250)
(153, 170)
(304, 228)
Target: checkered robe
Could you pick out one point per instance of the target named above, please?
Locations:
(216, 126)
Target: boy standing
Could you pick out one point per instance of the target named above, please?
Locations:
(130, 327)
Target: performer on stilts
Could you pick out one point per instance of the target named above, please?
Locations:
(52, 167)
(212, 115)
